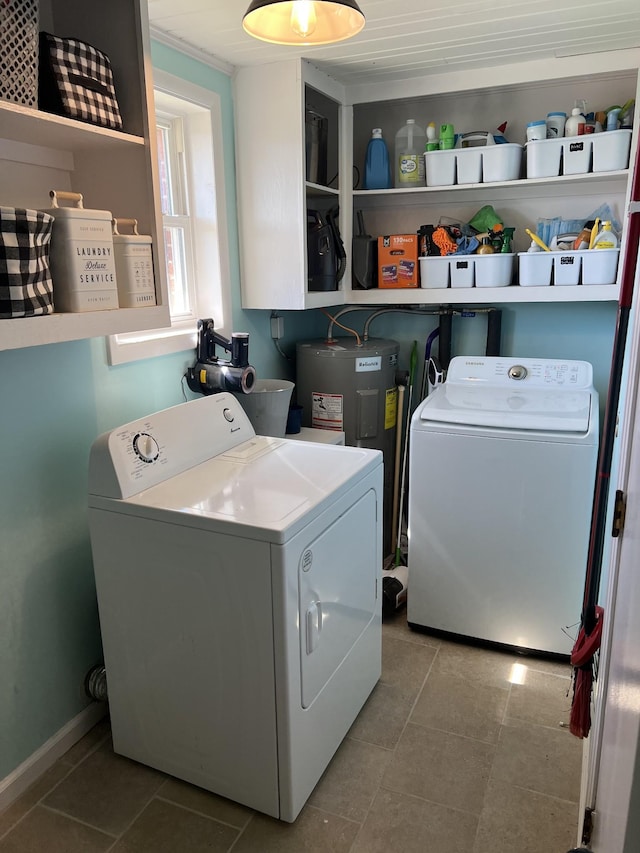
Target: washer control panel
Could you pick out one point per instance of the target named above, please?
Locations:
(529, 372)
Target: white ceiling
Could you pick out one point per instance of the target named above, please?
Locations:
(413, 38)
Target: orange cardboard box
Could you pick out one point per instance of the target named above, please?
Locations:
(398, 261)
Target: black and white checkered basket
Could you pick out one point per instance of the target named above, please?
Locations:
(26, 288)
(75, 80)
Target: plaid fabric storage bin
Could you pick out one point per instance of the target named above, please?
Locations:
(26, 288)
(75, 80)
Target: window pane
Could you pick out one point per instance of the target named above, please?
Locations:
(164, 169)
(179, 303)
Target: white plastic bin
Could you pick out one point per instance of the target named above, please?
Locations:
(611, 150)
(600, 266)
(501, 162)
(462, 267)
(543, 158)
(576, 154)
(434, 272)
(469, 165)
(566, 268)
(440, 168)
(493, 270)
(534, 268)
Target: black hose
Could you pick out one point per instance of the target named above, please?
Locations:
(444, 340)
(494, 330)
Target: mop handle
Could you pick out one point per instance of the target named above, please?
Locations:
(412, 373)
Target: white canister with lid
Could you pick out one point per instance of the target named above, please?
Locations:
(536, 130)
(555, 125)
(134, 266)
(81, 257)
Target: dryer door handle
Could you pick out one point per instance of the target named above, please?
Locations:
(313, 619)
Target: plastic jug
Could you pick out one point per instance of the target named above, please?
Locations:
(606, 239)
(377, 172)
(572, 125)
(409, 155)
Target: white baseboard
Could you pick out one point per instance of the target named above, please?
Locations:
(13, 785)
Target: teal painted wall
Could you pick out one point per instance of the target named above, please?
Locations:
(55, 399)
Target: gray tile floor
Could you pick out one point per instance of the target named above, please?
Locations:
(449, 755)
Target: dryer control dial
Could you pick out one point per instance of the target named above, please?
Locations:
(146, 447)
(517, 371)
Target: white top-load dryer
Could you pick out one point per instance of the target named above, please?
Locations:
(238, 580)
(501, 480)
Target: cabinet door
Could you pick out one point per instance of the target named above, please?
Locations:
(273, 106)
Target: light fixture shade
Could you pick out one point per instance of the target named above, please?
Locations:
(324, 21)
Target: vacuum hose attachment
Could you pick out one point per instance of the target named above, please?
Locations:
(211, 374)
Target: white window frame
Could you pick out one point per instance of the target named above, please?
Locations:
(201, 113)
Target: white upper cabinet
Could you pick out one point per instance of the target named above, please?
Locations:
(272, 103)
(272, 164)
(113, 170)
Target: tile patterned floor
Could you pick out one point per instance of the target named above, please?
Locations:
(447, 756)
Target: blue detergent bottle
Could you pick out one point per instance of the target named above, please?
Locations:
(377, 172)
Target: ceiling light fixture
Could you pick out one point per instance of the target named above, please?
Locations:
(303, 21)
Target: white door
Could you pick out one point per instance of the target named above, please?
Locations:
(611, 780)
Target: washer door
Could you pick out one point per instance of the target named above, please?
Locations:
(337, 578)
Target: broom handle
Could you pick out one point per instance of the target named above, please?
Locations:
(396, 469)
(412, 373)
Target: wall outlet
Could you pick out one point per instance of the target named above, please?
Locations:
(277, 327)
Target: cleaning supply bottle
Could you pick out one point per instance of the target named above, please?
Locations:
(584, 237)
(572, 125)
(409, 155)
(613, 116)
(507, 237)
(377, 172)
(607, 238)
(432, 137)
(485, 246)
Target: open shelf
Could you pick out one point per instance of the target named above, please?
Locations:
(53, 328)
(482, 295)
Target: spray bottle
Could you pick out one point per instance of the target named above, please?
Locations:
(507, 237)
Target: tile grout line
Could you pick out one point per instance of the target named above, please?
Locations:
(80, 821)
(49, 791)
(203, 814)
(493, 761)
(135, 818)
(393, 751)
(241, 833)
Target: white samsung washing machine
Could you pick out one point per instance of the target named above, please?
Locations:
(238, 580)
(501, 480)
